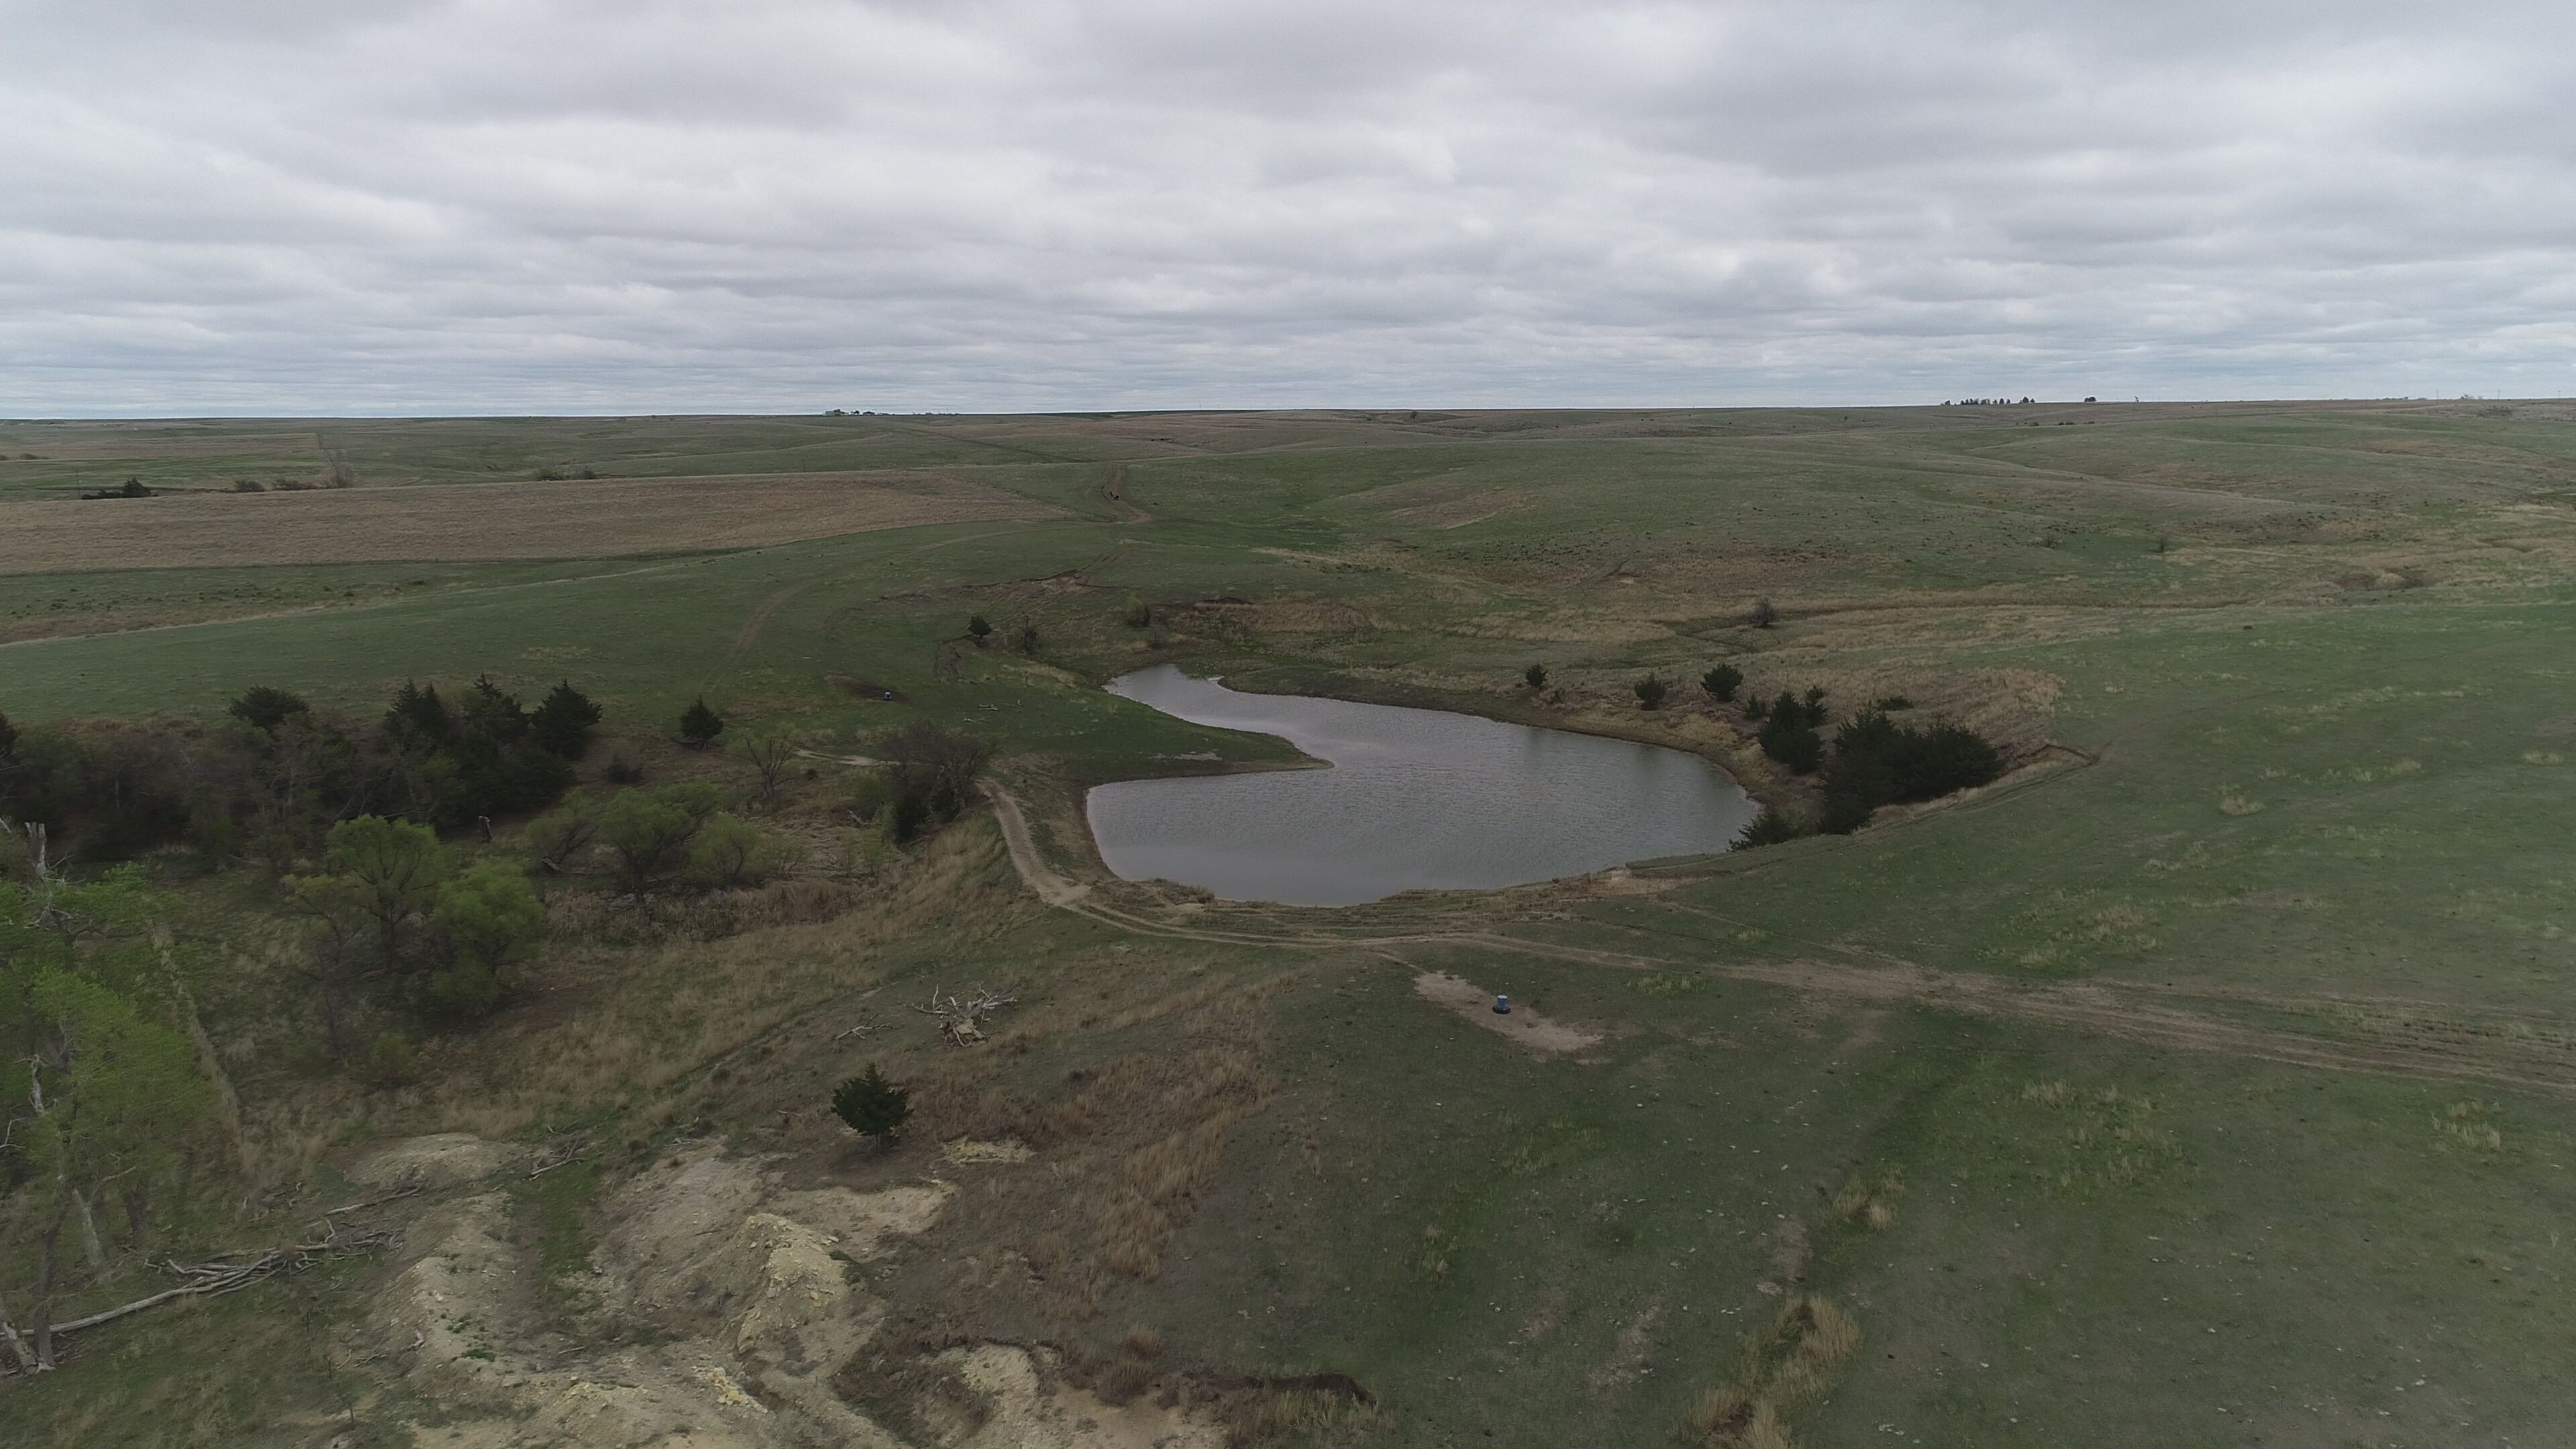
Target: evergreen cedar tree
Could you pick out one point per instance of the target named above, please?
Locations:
(264, 708)
(699, 724)
(564, 721)
(1721, 682)
(872, 1106)
(1535, 676)
(980, 627)
(1771, 827)
(1650, 691)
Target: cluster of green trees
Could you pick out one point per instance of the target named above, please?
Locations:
(663, 837)
(1875, 761)
(101, 1090)
(487, 756)
(1790, 729)
(1880, 762)
(272, 781)
(927, 778)
(401, 921)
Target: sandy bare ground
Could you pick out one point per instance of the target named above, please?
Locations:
(1524, 1027)
(602, 519)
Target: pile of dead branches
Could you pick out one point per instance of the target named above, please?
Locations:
(961, 1018)
(216, 1276)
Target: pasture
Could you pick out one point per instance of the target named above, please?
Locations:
(2206, 1080)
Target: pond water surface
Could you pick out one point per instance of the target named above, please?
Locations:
(1414, 799)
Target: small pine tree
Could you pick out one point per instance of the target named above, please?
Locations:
(264, 708)
(1721, 682)
(1772, 827)
(699, 725)
(1535, 676)
(979, 629)
(564, 721)
(1754, 708)
(418, 715)
(872, 1106)
(1650, 691)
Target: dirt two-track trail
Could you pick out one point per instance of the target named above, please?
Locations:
(2392, 1035)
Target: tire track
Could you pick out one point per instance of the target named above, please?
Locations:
(2496, 1047)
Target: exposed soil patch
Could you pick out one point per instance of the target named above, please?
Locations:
(1524, 1026)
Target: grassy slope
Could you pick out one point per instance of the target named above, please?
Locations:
(2358, 796)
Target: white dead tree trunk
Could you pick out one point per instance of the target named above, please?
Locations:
(961, 1018)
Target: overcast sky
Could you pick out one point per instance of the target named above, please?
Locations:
(353, 206)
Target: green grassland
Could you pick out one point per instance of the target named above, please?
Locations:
(2145, 1099)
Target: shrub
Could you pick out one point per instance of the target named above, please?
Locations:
(979, 629)
(622, 771)
(1890, 703)
(730, 851)
(1026, 640)
(699, 725)
(1763, 615)
(1772, 827)
(466, 991)
(1535, 676)
(489, 915)
(872, 1106)
(558, 837)
(1650, 691)
(1722, 682)
(387, 1061)
(868, 796)
(264, 708)
(1138, 613)
(1754, 708)
(646, 832)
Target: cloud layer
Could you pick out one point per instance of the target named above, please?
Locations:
(563, 205)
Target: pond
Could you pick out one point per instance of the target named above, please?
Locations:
(1413, 799)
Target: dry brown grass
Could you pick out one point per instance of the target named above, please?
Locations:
(605, 519)
(1871, 1201)
(1791, 1361)
(623, 1024)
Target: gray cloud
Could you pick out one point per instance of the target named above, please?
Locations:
(531, 205)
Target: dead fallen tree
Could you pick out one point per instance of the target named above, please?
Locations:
(225, 1273)
(961, 1018)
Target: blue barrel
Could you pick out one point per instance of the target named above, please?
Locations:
(1502, 1006)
